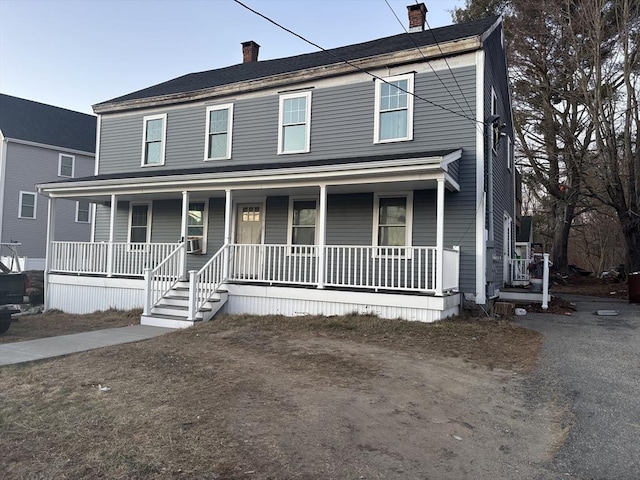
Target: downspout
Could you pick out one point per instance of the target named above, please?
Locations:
(3, 176)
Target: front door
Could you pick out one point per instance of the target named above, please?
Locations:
(249, 240)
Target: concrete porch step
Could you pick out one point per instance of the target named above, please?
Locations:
(168, 321)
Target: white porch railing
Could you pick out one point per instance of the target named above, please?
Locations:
(286, 264)
(451, 269)
(519, 270)
(204, 283)
(159, 280)
(126, 259)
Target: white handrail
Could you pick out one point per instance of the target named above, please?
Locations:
(204, 283)
(160, 280)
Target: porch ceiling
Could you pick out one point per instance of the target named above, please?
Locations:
(375, 174)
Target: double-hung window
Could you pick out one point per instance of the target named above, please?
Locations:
(66, 165)
(83, 211)
(139, 223)
(294, 123)
(218, 132)
(393, 217)
(27, 205)
(303, 225)
(393, 120)
(153, 139)
(196, 227)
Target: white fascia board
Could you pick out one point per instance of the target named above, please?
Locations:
(50, 147)
(481, 250)
(415, 168)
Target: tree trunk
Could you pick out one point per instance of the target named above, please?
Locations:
(560, 254)
(631, 233)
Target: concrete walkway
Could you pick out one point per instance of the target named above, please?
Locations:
(19, 352)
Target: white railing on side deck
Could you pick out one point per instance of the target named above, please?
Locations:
(284, 264)
(204, 283)
(520, 269)
(450, 268)
(387, 268)
(161, 279)
(79, 257)
(133, 258)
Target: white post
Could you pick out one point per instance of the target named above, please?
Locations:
(51, 228)
(147, 292)
(228, 210)
(440, 237)
(545, 283)
(185, 234)
(322, 235)
(193, 288)
(112, 234)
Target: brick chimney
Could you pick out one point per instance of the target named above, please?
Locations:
(417, 16)
(250, 51)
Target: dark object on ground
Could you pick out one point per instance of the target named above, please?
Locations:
(634, 287)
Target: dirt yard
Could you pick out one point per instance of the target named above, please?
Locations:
(285, 398)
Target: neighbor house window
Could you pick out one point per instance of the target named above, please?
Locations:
(196, 227)
(218, 140)
(302, 222)
(66, 165)
(83, 210)
(27, 205)
(393, 109)
(153, 139)
(139, 223)
(295, 123)
(392, 220)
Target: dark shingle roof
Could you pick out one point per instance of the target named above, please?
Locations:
(254, 70)
(40, 123)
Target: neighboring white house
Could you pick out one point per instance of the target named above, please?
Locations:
(42, 143)
(375, 177)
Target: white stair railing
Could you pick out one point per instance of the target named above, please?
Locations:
(204, 283)
(160, 280)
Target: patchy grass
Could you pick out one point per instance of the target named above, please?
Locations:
(271, 397)
(54, 322)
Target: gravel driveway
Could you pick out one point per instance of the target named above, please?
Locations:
(591, 364)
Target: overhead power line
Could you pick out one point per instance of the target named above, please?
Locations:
(351, 64)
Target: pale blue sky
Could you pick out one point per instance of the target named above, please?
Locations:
(75, 53)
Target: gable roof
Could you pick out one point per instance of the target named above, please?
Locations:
(36, 122)
(260, 69)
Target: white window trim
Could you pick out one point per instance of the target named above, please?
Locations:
(88, 213)
(226, 106)
(376, 118)
(307, 140)
(149, 213)
(205, 223)
(494, 102)
(509, 153)
(408, 232)
(494, 111)
(290, 222)
(35, 204)
(73, 165)
(162, 116)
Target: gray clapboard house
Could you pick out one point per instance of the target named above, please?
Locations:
(375, 177)
(42, 143)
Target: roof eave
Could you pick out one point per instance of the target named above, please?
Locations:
(430, 52)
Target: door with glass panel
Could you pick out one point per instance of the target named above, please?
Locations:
(247, 258)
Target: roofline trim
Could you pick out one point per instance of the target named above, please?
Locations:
(50, 147)
(429, 52)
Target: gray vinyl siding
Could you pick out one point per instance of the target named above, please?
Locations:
(503, 178)
(276, 220)
(103, 217)
(350, 219)
(341, 126)
(26, 166)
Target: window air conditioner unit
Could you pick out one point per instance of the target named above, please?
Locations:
(193, 245)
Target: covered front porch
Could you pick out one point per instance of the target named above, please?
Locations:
(281, 243)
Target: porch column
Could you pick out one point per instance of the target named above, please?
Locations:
(112, 234)
(440, 238)
(322, 235)
(228, 210)
(51, 228)
(185, 234)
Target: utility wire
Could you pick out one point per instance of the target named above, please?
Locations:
(431, 66)
(351, 64)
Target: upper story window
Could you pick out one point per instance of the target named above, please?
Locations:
(83, 211)
(66, 164)
(153, 139)
(393, 120)
(139, 223)
(302, 222)
(27, 205)
(219, 124)
(393, 218)
(294, 123)
(495, 130)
